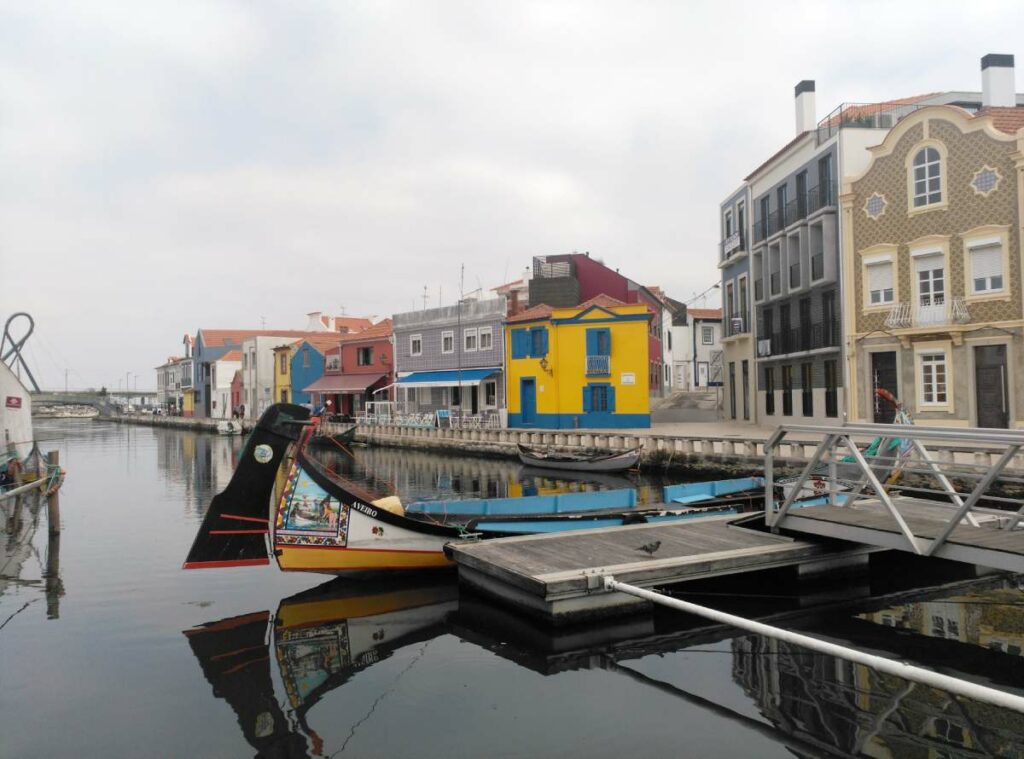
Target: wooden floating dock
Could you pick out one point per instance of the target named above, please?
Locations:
(559, 577)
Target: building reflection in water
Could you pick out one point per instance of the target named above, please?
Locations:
(815, 705)
(22, 517)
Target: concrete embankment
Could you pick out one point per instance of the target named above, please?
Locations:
(175, 422)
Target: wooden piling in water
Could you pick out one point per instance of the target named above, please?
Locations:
(53, 499)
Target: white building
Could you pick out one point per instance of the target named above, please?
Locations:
(257, 374)
(697, 348)
(222, 371)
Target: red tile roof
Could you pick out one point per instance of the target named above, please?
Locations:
(235, 355)
(603, 300)
(540, 311)
(381, 329)
(704, 313)
(214, 338)
(324, 341)
(352, 323)
(1008, 120)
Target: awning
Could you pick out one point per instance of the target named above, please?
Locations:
(446, 379)
(344, 383)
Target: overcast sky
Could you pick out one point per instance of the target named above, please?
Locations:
(170, 166)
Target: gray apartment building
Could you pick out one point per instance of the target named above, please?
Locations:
(452, 357)
(796, 250)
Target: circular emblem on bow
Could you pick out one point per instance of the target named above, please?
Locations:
(263, 453)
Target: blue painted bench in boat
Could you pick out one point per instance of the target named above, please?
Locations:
(532, 504)
(695, 492)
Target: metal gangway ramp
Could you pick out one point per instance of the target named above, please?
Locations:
(906, 487)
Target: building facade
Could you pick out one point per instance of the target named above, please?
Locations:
(738, 357)
(579, 367)
(358, 370)
(935, 291)
(222, 372)
(452, 358)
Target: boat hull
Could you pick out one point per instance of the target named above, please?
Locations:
(615, 462)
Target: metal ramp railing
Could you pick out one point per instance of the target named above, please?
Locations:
(900, 451)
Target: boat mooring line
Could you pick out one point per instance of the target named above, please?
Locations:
(946, 683)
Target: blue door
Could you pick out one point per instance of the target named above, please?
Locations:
(528, 400)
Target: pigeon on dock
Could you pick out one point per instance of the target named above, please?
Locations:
(650, 548)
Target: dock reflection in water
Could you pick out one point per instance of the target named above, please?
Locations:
(814, 705)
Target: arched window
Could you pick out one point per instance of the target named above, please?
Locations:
(927, 177)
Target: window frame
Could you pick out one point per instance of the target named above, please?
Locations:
(943, 170)
(929, 349)
(359, 356)
(470, 332)
(413, 340)
(707, 334)
(489, 332)
(448, 334)
(978, 237)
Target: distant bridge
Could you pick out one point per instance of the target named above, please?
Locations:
(93, 398)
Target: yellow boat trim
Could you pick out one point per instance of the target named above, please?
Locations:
(319, 612)
(348, 559)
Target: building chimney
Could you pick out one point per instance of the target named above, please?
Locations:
(997, 85)
(805, 106)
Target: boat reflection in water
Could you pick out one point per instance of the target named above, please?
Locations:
(814, 705)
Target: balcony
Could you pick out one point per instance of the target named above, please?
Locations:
(863, 116)
(776, 222)
(599, 366)
(817, 266)
(796, 210)
(758, 289)
(794, 276)
(942, 314)
(821, 196)
(796, 339)
(734, 243)
(774, 281)
(737, 324)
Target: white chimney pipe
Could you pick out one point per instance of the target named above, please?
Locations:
(805, 106)
(997, 85)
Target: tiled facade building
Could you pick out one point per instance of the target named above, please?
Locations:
(737, 329)
(934, 292)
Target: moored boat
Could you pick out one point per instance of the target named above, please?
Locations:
(613, 461)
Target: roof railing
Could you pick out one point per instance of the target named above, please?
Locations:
(863, 116)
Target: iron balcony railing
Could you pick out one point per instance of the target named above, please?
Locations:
(863, 116)
(806, 338)
(794, 276)
(775, 282)
(737, 324)
(599, 365)
(941, 314)
(821, 196)
(543, 269)
(759, 289)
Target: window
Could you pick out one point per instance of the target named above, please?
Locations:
(807, 388)
(732, 389)
(933, 378)
(728, 225)
(599, 342)
(707, 335)
(880, 283)
(284, 395)
(448, 342)
(598, 397)
(927, 177)
(831, 392)
(874, 207)
(305, 358)
(469, 340)
(486, 338)
(987, 268)
(284, 363)
(985, 181)
(769, 390)
(931, 280)
(538, 342)
(415, 345)
(491, 393)
(364, 356)
(334, 363)
(787, 390)
(520, 343)
(245, 360)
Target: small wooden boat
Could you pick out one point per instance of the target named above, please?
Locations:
(331, 434)
(613, 461)
(229, 427)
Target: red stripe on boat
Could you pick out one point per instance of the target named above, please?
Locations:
(238, 532)
(244, 519)
(224, 563)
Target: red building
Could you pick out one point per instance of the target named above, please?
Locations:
(236, 390)
(360, 369)
(573, 278)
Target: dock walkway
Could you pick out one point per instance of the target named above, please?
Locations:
(559, 577)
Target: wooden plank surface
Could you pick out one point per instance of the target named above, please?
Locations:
(924, 520)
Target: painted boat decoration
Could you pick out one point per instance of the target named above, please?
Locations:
(321, 523)
(614, 461)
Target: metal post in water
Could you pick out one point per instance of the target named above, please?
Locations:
(927, 677)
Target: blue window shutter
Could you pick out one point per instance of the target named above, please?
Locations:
(544, 340)
(592, 342)
(520, 343)
(611, 399)
(586, 399)
(606, 348)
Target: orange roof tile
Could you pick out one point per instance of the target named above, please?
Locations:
(1008, 120)
(540, 311)
(601, 299)
(214, 338)
(704, 313)
(380, 329)
(353, 323)
(235, 355)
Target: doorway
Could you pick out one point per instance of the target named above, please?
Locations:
(528, 400)
(883, 375)
(990, 386)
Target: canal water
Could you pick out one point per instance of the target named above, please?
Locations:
(117, 652)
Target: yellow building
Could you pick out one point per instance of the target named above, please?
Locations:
(188, 403)
(283, 372)
(579, 367)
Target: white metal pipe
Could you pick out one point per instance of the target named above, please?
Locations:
(927, 677)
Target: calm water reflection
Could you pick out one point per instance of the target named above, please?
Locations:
(142, 659)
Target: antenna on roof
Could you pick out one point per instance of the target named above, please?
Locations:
(263, 322)
(425, 296)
